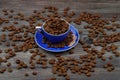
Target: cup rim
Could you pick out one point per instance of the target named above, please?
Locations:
(59, 34)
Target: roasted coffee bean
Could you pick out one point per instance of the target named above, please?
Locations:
(44, 66)
(38, 62)
(113, 19)
(0, 51)
(8, 64)
(15, 22)
(57, 55)
(32, 66)
(9, 70)
(24, 65)
(13, 44)
(16, 17)
(4, 60)
(52, 61)
(71, 51)
(7, 43)
(52, 79)
(19, 66)
(6, 20)
(68, 19)
(117, 54)
(11, 10)
(81, 41)
(109, 64)
(0, 42)
(67, 77)
(80, 31)
(7, 56)
(31, 51)
(5, 13)
(26, 74)
(34, 11)
(1, 59)
(88, 74)
(4, 10)
(43, 11)
(105, 66)
(42, 55)
(2, 70)
(110, 69)
(34, 73)
(110, 57)
(10, 16)
(59, 74)
(17, 61)
(103, 58)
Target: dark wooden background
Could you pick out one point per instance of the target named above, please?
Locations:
(107, 8)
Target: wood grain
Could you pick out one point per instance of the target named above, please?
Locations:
(107, 8)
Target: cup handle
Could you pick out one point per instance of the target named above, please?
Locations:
(39, 28)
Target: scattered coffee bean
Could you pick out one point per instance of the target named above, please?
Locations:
(26, 74)
(52, 79)
(34, 11)
(110, 57)
(80, 31)
(11, 10)
(117, 54)
(2, 70)
(5, 13)
(34, 73)
(103, 58)
(67, 77)
(0, 51)
(105, 66)
(7, 43)
(110, 69)
(113, 18)
(71, 51)
(4, 10)
(42, 55)
(32, 66)
(10, 16)
(57, 55)
(52, 61)
(15, 22)
(9, 70)
(19, 66)
(44, 66)
(8, 64)
(17, 61)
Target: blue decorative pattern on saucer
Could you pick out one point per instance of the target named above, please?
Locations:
(38, 39)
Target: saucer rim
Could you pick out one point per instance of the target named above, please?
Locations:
(56, 49)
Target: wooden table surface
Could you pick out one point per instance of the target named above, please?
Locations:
(107, 8)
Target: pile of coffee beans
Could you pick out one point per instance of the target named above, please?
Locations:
(56, 26)
(65, 42)
(20, 38)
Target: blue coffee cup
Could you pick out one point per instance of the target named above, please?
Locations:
(51, 37)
